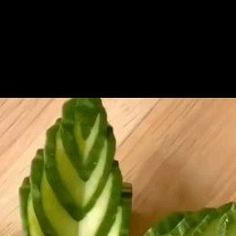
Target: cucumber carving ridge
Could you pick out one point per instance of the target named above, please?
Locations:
(205, 222)
(75, 187)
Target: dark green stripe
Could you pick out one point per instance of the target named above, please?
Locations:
(107, 170)
(78, 112)
(126, 203)
(37, 169)
(213, 213)
(53, 175)
(24, 192)
(114, 201)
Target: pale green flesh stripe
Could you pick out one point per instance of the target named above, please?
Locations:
(69, 176)
(116, 227)
(34, 227)
(90, 223)
(58, 217)
(85, 146)
(92, 137)
(81, 191)
(93, 181)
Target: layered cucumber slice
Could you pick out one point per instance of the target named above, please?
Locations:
(75, 187)
(120, 226)
(126, 205)
(30, 222)
(215, 225)
(166, 225)
(52, 217)
(206, 222)
(189, 221)
(24, 193)
(34, 227)
(109, 216)
(78, 159)
(84, 130)
(211, 223)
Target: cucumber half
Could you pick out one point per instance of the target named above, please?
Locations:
(30, 222)
(205, 222)
(34, 225)
(75, 186)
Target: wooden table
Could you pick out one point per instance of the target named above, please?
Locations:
(178, 153)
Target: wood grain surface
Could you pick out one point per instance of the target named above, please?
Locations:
(178, 153)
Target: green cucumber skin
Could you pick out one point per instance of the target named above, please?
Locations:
(37, 173)
(77, 111)
(108, 166)
(56, 182)
(166, 225)
(218, 225)
(126, 203)
(231, 225)
(115, 198)
(44, 166)
(207, 221)
(189, 221)
(213, 214)
(126, 216)
(24, 192)
(37, 170)
(53, 175)
(230, 221)
(114, 201)
(64, 127)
